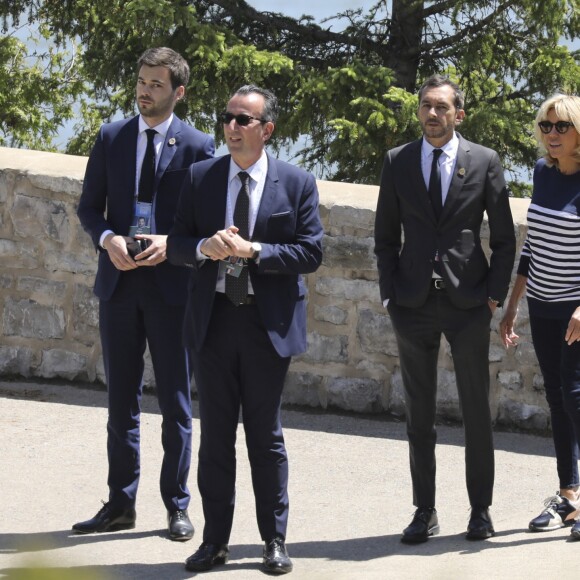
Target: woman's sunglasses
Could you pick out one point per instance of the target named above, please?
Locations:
(547, 126)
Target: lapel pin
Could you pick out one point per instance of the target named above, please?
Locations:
(172, 142)
(461, 171)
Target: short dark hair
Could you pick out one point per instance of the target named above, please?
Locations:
(171, 60)
(270, 112)
(440, 81)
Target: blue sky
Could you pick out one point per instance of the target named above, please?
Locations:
(317, 8)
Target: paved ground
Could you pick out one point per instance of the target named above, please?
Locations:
(349, 490)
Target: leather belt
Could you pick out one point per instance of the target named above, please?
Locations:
(249, 300)
(438, 283)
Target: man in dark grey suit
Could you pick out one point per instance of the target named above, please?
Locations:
(439, 281)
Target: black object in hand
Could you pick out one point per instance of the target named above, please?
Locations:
(137, 246)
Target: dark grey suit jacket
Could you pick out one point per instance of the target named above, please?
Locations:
(408, 236)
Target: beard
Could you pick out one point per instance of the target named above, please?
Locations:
(151, 109)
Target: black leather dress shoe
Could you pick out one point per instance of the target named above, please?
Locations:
(179, 526)
(275, 559)
(424, 525)
(480, 526)
(108, 519)
(207, 556)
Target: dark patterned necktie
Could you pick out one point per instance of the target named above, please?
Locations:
(147, 177)
(237, 288)
(435, 193)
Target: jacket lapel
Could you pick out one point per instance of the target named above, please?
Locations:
(416, 182)
(460, 170)
(170, 145)
(267, 201)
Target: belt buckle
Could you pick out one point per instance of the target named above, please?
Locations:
(438, 283)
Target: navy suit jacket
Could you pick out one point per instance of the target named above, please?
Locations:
(405, 262)
(289, 230)
(108, 197)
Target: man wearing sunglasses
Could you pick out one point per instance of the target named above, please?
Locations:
(438, 281)
(248, 224)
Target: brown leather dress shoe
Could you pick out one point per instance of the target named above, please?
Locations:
(207, 556)
(480, 526)
(108, 519)
(275, 559)
(424, 525)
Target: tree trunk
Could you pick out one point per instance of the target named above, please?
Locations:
(404, 46)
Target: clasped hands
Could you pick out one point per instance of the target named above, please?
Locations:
(116, 247)
(226, 243)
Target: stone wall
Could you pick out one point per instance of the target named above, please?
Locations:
(49, 316)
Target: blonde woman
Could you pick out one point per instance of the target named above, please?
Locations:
(549, 273)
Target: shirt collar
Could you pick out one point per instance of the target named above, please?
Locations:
(162, 128)
(450, 148)
(257, 171)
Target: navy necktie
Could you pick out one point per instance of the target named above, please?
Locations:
(435, 193)
(237, 288)
(147, 177)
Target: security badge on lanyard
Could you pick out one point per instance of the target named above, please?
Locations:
(234, 266)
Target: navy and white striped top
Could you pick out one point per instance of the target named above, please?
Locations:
(550, 257)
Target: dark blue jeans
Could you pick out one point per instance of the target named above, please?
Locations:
(560, 366)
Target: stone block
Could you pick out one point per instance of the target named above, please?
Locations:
(538, 382)
(324, 349)
(522, 415)
(73, 262)
(85, 315)
(19, 255)
(330, 313)
(361, 395)
(6, 281)
(302, 389)
(42, 290)
(356, 290)
(58, 363)
(496, 353)
(348, 219)
(375, 333)
(34, 216)
(511, 380)
(349, 252)
(29, 319)
(16, 361)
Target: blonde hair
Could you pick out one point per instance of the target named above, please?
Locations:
(567, 108)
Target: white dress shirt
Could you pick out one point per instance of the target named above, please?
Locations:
(257, 173)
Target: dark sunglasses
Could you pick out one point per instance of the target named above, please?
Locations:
(242, 119)
(561, 126)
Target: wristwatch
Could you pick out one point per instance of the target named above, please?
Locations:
(257, 248)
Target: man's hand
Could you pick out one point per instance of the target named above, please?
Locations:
(155, 253)
(116, 247)
(226, 243)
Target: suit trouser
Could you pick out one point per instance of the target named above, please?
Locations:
(418, 332)
(135, 315)
(238, 367)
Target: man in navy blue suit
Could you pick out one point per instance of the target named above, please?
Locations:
(249, 226)
(130, 193)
